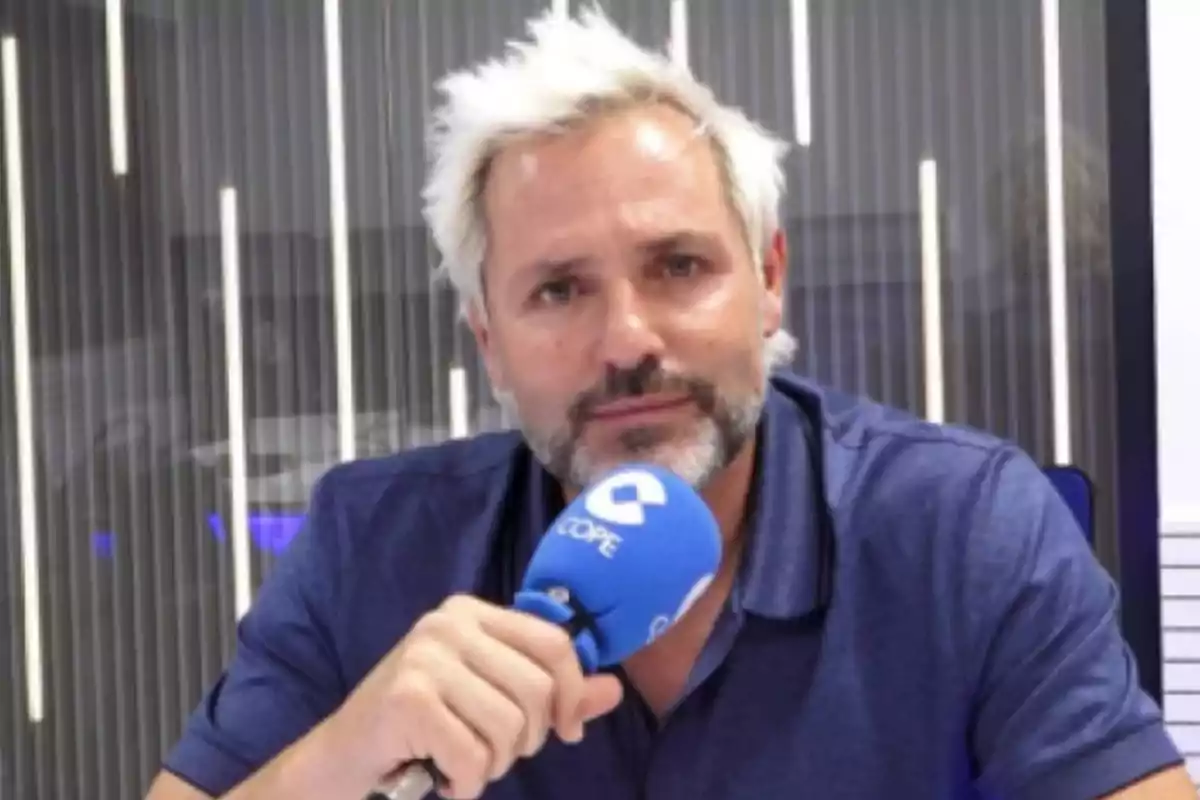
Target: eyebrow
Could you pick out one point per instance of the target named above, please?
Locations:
(677, 241)
(554, 269)
(655, 246)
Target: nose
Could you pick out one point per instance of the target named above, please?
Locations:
(630, 335)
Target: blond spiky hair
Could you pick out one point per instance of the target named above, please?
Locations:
(567, 70)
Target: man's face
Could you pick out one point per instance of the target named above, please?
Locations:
(626, 319)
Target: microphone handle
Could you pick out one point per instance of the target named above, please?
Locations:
(412, 781)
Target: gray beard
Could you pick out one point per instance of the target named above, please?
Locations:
(720, 436)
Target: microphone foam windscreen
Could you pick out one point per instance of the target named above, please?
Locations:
(634, 550)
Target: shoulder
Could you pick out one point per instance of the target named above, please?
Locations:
(455, 478)
(934, 510)
(387, 539)
(880, 463)
(448, 462)
(944, 521)
(380, 519)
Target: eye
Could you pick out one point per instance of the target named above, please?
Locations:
(556, 292)
(681, 265)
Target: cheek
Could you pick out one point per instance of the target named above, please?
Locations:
(724, 321)
(543, 367)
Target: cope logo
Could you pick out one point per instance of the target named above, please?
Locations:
(602, 501)
(607, 502)
(587, 530)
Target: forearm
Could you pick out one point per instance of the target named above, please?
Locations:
(1170, 784)
(318, 766)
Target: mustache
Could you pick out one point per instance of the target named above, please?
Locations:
(647, 377)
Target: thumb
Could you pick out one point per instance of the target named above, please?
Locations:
(601, 694)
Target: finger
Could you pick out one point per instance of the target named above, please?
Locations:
(458, 626)
(601, 695)
(458, 751)
(551, 648)
(484, 707)
(523, 680)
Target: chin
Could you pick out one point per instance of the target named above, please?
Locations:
(695, 460)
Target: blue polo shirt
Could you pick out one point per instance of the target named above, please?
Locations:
(917, 615)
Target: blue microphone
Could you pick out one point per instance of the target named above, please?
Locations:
(617, 568)
(622, 562)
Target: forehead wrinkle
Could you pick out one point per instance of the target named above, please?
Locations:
(655, 138)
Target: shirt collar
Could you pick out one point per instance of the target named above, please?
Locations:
(788, 562)
(787, 568)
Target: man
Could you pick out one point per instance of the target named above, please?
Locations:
(902, 609)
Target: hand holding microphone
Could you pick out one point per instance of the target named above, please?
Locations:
(473, 687)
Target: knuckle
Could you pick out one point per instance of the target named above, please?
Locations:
(477, 761)
(529, 731)
(459, 604)
(434, 622)
(511, 726)
(467, 763)
(532, 733)
(533, 743)
(536, 696)
(423, 629)
(422, 652)
(541, 688)
(559, 647)
(502, 761)
(505, 731)
(465, 789)
(439, 626)
(501, 766)
(415, 688)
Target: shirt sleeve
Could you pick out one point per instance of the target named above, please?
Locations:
(1058, 711)
(284, 676)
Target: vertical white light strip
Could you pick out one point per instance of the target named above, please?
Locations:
(339, 229)
(14, 168)
(801, 73)
(459, 427)
(1056, 225)
(931, 293)
(231, 293)
(118, 122)
(561, 8)
(679, 32)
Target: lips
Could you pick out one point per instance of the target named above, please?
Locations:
(635, 407)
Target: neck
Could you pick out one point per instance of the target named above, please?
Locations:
(727, 496)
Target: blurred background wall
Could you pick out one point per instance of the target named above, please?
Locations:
(216, 284)
(1174, 35)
